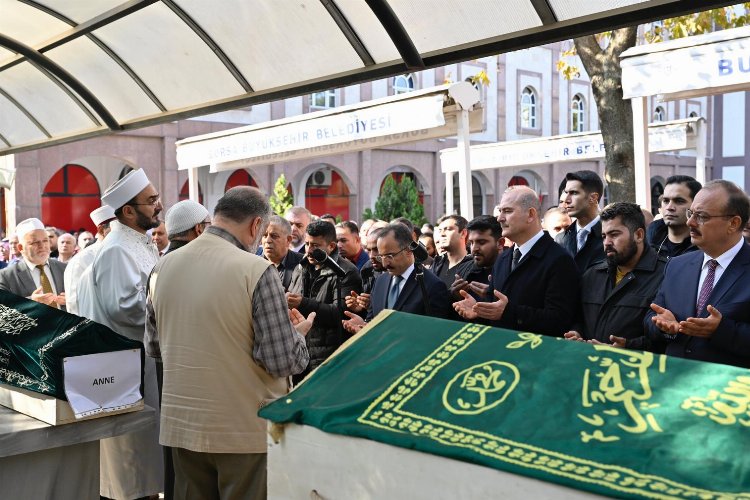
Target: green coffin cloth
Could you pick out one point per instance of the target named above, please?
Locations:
(34, 339)
(616, 422)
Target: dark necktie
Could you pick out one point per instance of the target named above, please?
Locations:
(707, 287)
(394, 291)
(44, 280)
(516, 259)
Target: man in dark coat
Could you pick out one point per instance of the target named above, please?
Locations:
(616, 294)
(314, 288)
(583, 239)
(534, 286)
(670, 235)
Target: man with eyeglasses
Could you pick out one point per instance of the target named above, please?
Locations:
(101, 217)
(702, 309)
(112, 291)
(398, 288)
(670, 235)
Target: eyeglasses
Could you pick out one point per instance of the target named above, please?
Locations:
(703, 218)
(152, 202)
(388, 256)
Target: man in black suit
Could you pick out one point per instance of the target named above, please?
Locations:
(275, 245)
(534, 287)
(398, 288)
(35, 275)
(583, 238)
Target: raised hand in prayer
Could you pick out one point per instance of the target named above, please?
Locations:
(665, 320)
(573, 335)
(354, 323)
(352, 302)
(459, 284)
(702, 327)
(492, 310)
(43, 298)
(300, 323)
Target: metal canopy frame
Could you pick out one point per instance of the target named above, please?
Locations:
(366, 29)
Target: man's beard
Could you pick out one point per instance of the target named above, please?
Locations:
(145, 222)
(624, 257)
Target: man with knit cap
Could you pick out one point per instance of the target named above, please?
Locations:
(101, 217)
(185, 221)
(221, 364)
(35, 276)
(112, 291)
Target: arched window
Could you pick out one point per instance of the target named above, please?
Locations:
(659, 114)
(323, 100)
(239, 178)
(403, 83)
(577, 114)
(528, 108)
(68, 198)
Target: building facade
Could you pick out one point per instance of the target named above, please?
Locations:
(526, 98)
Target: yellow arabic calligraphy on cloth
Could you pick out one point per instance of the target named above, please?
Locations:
(618, 388)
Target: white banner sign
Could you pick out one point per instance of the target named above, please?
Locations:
(265, 145)
(559, 149)
(104, 382)
(701, 67)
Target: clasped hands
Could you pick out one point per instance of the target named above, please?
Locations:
(695, 327)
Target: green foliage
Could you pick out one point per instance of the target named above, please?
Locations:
(281, 200)
(399, 200)
(367, 214)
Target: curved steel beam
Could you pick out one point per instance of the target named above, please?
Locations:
(55, 72)
(398, 34)
(120, 62)
(544, 11)
(190, 22)
(343, 23)
(26, 112)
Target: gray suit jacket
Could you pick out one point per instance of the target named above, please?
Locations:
(17, 278)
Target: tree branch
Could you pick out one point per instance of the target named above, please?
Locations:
(622, 39)
(589, 51)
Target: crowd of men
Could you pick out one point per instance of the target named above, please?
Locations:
(235, 308)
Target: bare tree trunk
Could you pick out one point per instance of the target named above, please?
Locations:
(615, 113)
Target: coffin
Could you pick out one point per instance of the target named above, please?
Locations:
(552, 416)
(59, 367)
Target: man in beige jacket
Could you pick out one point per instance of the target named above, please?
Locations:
(218, 317)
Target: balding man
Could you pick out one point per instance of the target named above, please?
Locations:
(702, 309)
(534, 286)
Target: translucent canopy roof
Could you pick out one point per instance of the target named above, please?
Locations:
(75, 68)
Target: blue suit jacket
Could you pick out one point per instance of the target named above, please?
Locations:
(730, 343)
(410, 298)
(543, 291)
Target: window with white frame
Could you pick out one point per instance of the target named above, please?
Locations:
(403, 83)
(528, 108)
(659, 114)
(578, 114)
(322, 100)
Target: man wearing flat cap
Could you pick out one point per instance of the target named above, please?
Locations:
(101, 217)
(112, 291)
(35, 276)
(185, 221)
